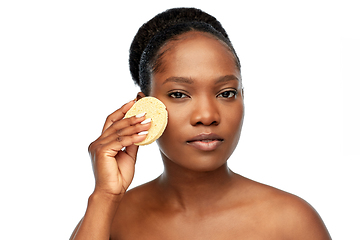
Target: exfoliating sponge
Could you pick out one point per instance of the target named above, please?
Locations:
(155, 110)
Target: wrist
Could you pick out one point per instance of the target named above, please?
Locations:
(99, 215)
(102, 196)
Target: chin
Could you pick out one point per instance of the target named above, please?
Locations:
(193, 160)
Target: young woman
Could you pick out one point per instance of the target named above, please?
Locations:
(184, 58)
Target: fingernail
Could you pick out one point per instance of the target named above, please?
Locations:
(140, 115)
(146, 121)
(143, 133)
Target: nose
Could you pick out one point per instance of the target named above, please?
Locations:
(205, 112)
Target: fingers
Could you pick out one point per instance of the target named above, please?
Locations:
(117, 115)
(121, 125)
(123, 133)
(112, 148)
(118, 134)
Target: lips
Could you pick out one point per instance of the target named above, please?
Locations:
(206, 141)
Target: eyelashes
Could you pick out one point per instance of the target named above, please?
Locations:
(227, 94)
(177, 94)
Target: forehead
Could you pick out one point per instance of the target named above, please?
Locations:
(196, 55)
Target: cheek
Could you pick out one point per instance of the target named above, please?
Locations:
(236, 116)
(169, 142)
(177, 120)
(233, 121)
(178, 130)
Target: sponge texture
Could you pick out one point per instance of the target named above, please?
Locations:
(155, 110)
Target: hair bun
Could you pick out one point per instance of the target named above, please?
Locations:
(161, 22)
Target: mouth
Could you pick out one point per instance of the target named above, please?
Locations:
(206, 141)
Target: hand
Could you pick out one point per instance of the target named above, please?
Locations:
(113, 154)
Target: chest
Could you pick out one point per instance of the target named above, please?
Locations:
(213, 227)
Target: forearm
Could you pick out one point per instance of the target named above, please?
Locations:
(98, 217)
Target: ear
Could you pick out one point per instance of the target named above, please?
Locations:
(140, 95)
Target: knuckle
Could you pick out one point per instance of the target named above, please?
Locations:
(110, 119)
(119, 131)
(133, 120)
(98, 151)
(125, 140)
(91, 147)
(95, 149)
(138, 128)
(119, 139)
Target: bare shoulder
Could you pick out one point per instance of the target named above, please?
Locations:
(299, 218)
(130, 214)
(136, 200)
(291, 215)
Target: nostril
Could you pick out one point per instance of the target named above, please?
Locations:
(214, 123)
(206, 124)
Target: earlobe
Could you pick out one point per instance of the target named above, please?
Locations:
(140, 95)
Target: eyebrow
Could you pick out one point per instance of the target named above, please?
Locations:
(179, 80)
(226, 78)
(222, 79)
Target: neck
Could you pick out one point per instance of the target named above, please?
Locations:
(189, 190)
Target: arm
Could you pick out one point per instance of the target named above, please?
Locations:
(113, 169)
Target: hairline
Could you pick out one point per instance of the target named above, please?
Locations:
(155, 66)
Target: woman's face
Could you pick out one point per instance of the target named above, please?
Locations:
(201, 87)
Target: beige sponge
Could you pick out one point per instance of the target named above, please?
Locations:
(155, 110)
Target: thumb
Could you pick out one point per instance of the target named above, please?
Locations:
(132, 151)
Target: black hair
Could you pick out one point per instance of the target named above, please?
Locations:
(166, 26)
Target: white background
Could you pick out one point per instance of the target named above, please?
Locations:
(63, 69)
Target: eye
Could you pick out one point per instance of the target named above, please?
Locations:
(228, 94)
(177, 95)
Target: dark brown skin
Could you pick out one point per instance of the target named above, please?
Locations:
(197, 196)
